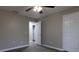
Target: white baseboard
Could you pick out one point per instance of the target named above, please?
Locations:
(53, 47)
(3, 50)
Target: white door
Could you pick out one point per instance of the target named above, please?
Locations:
(38, 32)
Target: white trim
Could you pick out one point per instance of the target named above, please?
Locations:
(53, 47)
(3, 50)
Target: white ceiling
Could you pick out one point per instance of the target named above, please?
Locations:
(31, 13)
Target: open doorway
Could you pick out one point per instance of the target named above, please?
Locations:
(35, 32)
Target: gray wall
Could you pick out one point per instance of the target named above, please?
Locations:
(52, 28)
(13, 30)
(71, 32)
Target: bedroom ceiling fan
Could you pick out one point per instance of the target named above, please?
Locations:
(38, 9)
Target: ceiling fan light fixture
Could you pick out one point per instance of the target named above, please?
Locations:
(37, 9)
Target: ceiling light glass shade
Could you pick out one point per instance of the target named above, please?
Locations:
(37, 9)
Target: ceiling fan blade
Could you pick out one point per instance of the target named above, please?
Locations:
(29, 9)
(49, 6)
